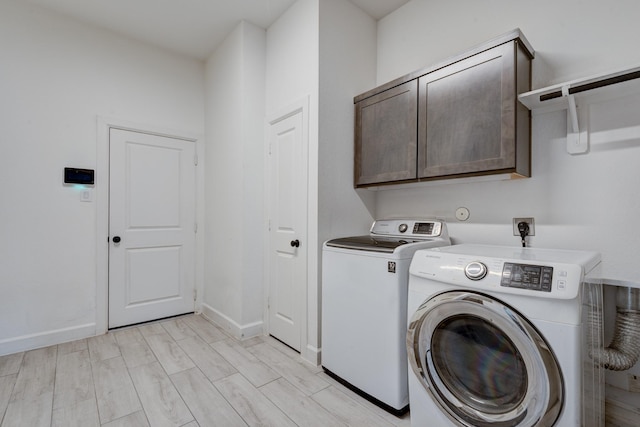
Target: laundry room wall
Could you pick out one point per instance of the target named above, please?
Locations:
(235, 82)
(347, 68)
(584, 201)
(588, 201)
(57, 77)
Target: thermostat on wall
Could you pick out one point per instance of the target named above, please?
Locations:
(79, 176)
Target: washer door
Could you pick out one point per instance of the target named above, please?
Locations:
(483, 363)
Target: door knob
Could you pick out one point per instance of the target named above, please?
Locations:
(116, 239)
(295, 243)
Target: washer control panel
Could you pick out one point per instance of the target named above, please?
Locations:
(543, 273)
(527, 276)
(427, 228)
(410, 228)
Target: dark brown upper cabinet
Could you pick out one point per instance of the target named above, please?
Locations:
(464, 120)
(386, 138)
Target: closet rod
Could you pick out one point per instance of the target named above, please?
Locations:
(593, 85)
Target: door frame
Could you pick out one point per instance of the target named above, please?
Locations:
(307, 351)
(104, 125)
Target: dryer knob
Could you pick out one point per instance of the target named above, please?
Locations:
(403, 227)
(475, 270)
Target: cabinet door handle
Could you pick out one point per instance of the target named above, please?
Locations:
(116, 239)
(295, 243)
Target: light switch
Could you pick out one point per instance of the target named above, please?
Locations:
(86, 196)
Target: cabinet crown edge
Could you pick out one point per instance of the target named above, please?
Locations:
(513, 35)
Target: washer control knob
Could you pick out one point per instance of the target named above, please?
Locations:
(475, 270)
(403, 228)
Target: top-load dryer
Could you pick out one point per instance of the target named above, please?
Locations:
(364, 307)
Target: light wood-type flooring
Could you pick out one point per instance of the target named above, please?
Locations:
(178, 372)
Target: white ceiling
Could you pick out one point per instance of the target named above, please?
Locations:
(191, 27)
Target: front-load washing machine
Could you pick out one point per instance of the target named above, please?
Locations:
(501, 336)
(364, 307)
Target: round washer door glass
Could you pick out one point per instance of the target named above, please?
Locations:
(483, 363)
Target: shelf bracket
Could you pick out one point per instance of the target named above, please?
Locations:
(577, 141)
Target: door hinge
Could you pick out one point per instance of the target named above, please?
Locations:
(195, 227)
(195, 159)
(195, 294)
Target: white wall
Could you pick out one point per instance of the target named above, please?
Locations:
(235, 76)
(57, 76)
(572, 38)
(585, 201)
(292, 59)
(347, 68)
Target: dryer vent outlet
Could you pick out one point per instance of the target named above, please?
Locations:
(529, 221)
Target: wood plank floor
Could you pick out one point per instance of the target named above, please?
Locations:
(179, 372)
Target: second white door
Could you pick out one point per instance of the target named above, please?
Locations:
(151, 227)
(287, 228)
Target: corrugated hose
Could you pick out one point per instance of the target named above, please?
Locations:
(624, 350)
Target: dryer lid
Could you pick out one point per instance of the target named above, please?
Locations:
(389, 234)
(370, 243)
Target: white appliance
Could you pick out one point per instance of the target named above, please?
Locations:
(364, 307)
(498, 336)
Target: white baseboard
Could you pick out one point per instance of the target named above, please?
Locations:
(47, 338)
(241, 332)
(310, 354)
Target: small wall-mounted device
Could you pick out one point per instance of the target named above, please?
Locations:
(79, 176)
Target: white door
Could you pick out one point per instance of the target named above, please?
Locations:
(151, 227)
(287, 228)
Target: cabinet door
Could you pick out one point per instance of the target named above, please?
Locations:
(467, 116)
(386, 136)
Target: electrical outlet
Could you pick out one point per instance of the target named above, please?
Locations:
(530, 221)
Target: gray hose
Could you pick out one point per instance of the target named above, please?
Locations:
(624, 350)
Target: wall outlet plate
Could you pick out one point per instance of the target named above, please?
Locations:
(530, 221)
(462, 214)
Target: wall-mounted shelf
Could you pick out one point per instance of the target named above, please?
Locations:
(576, 93)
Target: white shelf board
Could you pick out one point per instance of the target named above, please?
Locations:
(532, 99)
(573, 94)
